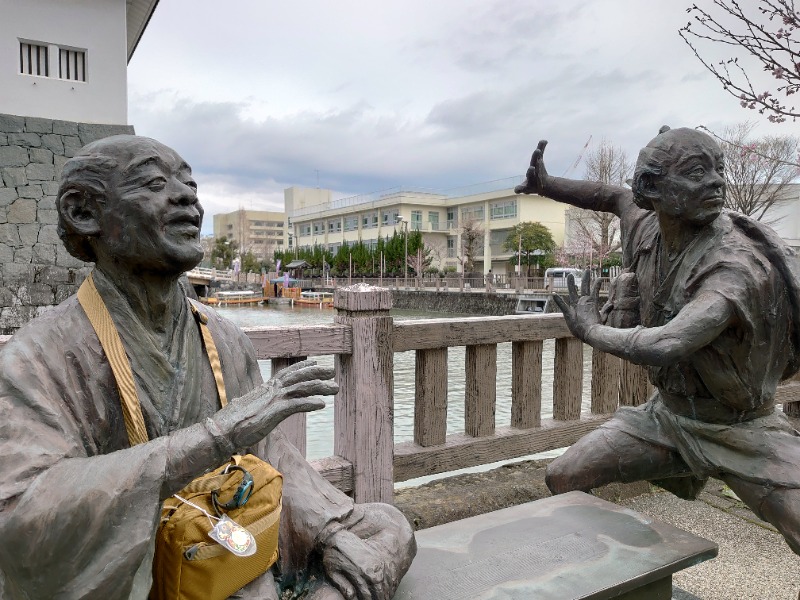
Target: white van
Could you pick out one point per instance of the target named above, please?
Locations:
(555, 278)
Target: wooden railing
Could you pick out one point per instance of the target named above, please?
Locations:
(364, 339)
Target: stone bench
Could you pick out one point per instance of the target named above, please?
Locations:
(567, 547)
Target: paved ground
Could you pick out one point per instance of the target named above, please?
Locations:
(754, 562)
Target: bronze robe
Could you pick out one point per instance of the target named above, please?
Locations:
(78, 506)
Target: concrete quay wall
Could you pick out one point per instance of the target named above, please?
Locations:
(36, 272)
(470, 303)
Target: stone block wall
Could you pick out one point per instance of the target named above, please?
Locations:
(36, 272)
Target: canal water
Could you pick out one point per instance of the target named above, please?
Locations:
(320, 423)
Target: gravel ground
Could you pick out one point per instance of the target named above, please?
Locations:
(754, 562)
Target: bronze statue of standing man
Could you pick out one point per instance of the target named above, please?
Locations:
(719, 327)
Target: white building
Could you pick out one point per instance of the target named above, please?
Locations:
(67, 59)
(313, 218)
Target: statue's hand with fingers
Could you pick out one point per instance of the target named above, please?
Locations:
(536, 176)
(582, 312)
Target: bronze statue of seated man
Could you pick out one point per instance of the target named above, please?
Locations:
(718, 326)
(79, 505)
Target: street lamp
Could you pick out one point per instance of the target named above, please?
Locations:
(404, 226)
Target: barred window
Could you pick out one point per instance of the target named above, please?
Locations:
(72, 64)
(33, 59)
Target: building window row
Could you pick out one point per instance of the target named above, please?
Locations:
(472, 213)
(451, 247)
(389, 217)
(503, 210)
(350, 223)
(369, 220)
(34, 59)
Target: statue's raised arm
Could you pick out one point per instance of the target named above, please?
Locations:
(583, 194)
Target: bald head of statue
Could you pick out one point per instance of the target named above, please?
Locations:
(129, 203)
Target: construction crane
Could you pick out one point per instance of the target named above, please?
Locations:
(580, 157)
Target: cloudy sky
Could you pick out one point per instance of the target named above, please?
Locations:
(358, 97)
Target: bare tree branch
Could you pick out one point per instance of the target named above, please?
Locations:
(763, 36)
(596, 234)
(758, 171)
(471, 236)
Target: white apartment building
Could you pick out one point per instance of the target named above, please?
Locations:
(67, 59)
(439, 217)
(261, 232)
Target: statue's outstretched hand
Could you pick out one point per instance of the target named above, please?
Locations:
(536, 176)
(580, 311)
(247, 420)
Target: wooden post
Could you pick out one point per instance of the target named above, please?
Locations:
(294, 427)
(363, 411)
(526, 384)
(480, 390)
(791, 409)
(605, 382)
(568, 379)
(430, 399)
(633, 385)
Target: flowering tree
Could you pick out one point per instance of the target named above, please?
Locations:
(762, 33)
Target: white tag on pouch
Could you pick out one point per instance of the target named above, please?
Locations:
(232, 536)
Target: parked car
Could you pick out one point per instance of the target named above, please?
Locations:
(555, 278)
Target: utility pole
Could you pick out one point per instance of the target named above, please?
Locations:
(404, 224)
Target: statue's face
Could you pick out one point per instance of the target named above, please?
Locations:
(692, 187)
(151, 219)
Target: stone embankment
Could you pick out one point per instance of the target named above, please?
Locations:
(468, 303)
(36, 272)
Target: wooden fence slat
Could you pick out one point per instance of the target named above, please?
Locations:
(605, 382)
(300, 340)
(294, 426)
(436, 333)
(788, 394)
(526, 384)
(363, 410)
(430, 399)
(338, 471)
(461, 451)
(633, 385)
(568, 379)
(480, 389)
